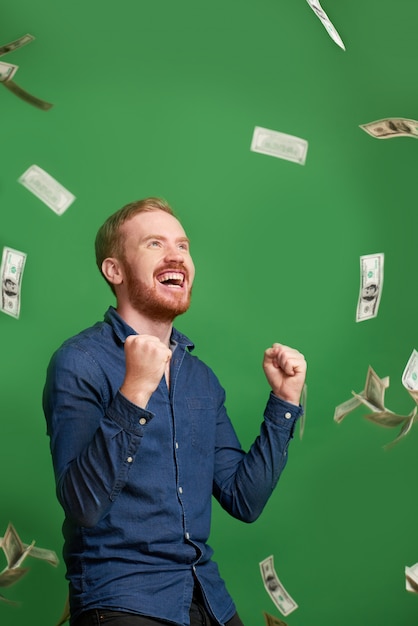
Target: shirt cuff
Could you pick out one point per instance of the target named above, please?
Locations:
(128, 415)
(282, 412)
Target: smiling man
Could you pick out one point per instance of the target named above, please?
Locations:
(141, 441)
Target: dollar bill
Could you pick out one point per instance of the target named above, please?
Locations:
(7, 71)
(302, 419)
(361, 398)
(274, 587)
(10, 576)
(411, 578)
(272, 620)
(15, 553)
(343, 409)
(391, 127)
(279, 145)
(14, 547)
(387, 419)
(17, 43)
(43, 554)
(375, 388)
(410, 376)
(66, 615)
(326, 22)
(371, 285)
(404, 430)
(26, 96)
(47, 189)
(372, 396)
(11, 271)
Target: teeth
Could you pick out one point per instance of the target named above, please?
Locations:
(177, 276)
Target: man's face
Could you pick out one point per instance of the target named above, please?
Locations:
(157, 266)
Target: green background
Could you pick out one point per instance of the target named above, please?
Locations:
(161, 98)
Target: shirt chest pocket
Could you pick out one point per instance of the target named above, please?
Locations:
(202, 415)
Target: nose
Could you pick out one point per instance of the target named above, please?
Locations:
(173, 253)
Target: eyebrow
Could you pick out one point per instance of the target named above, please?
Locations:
(179, 239)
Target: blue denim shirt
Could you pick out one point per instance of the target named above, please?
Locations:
(136, 484)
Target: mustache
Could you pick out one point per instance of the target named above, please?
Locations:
(172, 266)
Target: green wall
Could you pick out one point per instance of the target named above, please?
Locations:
(161, 98)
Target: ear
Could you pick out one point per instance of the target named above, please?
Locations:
(112, 271)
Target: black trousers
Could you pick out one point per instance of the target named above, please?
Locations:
(198, 617)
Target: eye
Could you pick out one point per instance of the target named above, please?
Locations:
(154, 243)
(184, 246)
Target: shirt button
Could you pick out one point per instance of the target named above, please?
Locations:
(142, 421)
(180, 489)
(177, 446)
(129, 459)
(187, 536)
(288, 415)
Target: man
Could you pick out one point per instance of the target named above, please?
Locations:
(140, 439)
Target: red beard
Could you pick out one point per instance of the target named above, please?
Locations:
(148, 301)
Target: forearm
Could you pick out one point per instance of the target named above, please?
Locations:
(92, 450)
(245, 488)
(90, 482)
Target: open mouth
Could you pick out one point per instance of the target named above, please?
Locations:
(171, 279)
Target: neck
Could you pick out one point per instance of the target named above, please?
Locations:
(145, 326)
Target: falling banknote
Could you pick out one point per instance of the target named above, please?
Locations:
(410, 376)
(47, 189)
(375, 389)
(11, 271)
(26, 96)
(16, 552)
(303, 401)
(407, 425)
(411, 578)
(272, 620)
(7, 71)
(66, 614)
(17, 43)
(389, 419)
(274, 587)
(373, 397)
(279, 145)
(391, 127)
(371, 284)
(320, 13)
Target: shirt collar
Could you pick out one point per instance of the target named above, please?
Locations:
(123, 330)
